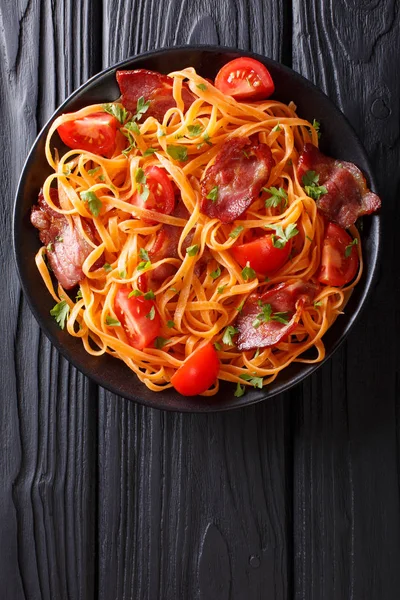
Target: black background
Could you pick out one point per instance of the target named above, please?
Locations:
(297, 497)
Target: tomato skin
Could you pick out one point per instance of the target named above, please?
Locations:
(245, 79)
(262, 255)
(162, 196)
(198, 372)
(337, 269)
(94, 133)
(132, 314)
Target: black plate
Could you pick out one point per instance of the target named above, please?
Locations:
(338, 140)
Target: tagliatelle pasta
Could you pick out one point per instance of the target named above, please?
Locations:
(206, 287)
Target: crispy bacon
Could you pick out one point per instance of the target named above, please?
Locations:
(284, 298)
(152, 86)
(348, 196)
(240, 170)
(66, 249)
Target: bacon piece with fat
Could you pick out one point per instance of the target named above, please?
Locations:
(283, 298)
(240, 170)
(348, 196)
(67, 248)
(152, 86)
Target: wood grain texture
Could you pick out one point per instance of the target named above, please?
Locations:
(346, 507)
(48, 412)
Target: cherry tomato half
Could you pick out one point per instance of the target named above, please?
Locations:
(161, 196)
(139, 318)
(337, 269)
(245, 78)
(198, 372)
(262, 255)
(94, 133)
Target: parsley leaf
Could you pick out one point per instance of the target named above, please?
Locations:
(117, 111)
(160, 342)
(248, 273)
(143, 265)
(240, 390)
(266, 315)
(177, 152)
(135, 293)
(149, 295)
(277, 128)
(112, 322)
(317, 126)
(79, 295)
(256, 382)
(213, 194)
(227, 337)
(348, 248)
(192, 250)
(149, 151)
(278, 196)
(221, 289)
(61, 313)
(310, 182)
(217, 346)
(140, 177)
(215, 274)
(122, 274)
(151, 314)
(281, 236)
(195, 130)
(316, 304)
(141, 107)
(92, 172)
(236, 232)
(240, 307)
(206, 138)
(202, 87)
(107, 267)
(93, 202)
(144, 254)
(170, 324)
(132, 126)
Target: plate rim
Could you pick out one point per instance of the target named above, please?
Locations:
(207, 402)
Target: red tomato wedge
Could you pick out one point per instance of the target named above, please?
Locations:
(161, 196)
(337, 268)
(139, 318)
(198, 372)
(94, 133)
(262, 255)
(245, 79)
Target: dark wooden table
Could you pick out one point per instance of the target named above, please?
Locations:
(297, 497)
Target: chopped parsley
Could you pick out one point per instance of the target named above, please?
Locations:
(202, 87)
(277, 128)
(144, 254)
(256, 382)
(281, 237)
(92, 172)
(215, 274)
(236, 232)
(248, 273)
(61, 313)
(143, 265)
(149, 151)
(221, 289)
(133, 126)
(266, 315)
(117, 111)
(140, 177)
(94, 203)
(141, 107)
(317, 304)
(135, 293)
(160, 342)
(170, 324)
(217, 346)
(278, 196)
(78, 296)
(349, 248)
(227, 337)
(112, 322)
(310, 182)
(107, 267)
(50, 247)
(122, 274)
(178, 153)
(213, 194)
(150, 315)
(195, 130)
(240, 390)
(317, 126)
(192, 250)
(240, 307)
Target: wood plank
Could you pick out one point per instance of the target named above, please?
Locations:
(47, 409)
(346, 477)
(193, 506)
